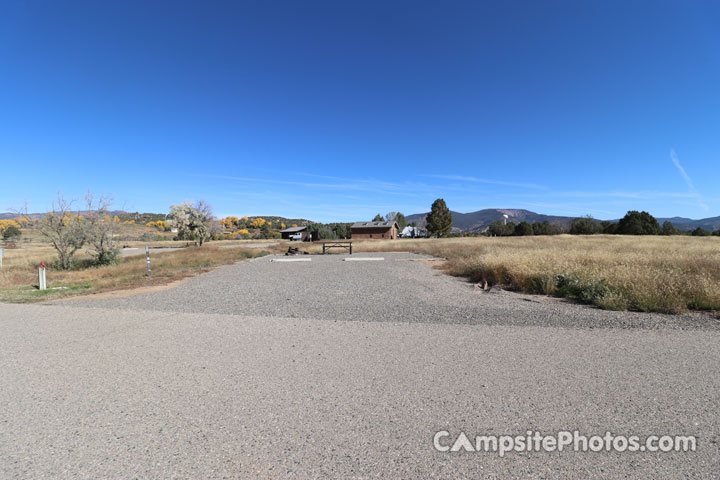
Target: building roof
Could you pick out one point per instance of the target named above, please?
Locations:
(294, 229)
(383, 224)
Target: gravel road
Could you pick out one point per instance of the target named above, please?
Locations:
(251, 245)
(134, 251)
(332, 369)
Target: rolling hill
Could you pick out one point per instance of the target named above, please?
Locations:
(710, 224)
(479, 221)
(462, 222)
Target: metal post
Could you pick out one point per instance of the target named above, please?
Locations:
(147, 256)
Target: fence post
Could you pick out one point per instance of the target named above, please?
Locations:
(147, 256)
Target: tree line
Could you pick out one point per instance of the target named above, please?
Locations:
(633, 223)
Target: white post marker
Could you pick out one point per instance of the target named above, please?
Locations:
(147, 256)
(42, 281)
(2, 254)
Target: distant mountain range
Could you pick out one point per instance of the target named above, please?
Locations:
(710, 224)
(476, 222)
(121, 214)
(479, 221)
(143, 218)
(10, 216)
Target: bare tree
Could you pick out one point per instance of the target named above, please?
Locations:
(65, 231)
(100, 228)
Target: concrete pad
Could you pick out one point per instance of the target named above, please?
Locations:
(363, 259)
(291, 260)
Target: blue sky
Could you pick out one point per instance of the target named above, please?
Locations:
(340, 110)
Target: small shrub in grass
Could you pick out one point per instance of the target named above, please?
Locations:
(262, 253)
(11, 233)
(543, 285)
(107, 258)
(586, 291)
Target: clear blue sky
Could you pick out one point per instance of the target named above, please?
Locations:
(339, 110)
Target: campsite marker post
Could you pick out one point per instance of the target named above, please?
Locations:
(147, 256)
(42, 281)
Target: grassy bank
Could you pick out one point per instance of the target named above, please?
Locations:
(18, 278)
(653, 274)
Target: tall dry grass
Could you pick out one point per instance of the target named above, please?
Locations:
(645, 273)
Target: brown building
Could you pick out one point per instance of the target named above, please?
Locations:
(375, 230)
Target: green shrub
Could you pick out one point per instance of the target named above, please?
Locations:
(11, 233)
(586, 291)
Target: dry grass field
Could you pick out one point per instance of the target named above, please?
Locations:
(649, 273)
(18, 277)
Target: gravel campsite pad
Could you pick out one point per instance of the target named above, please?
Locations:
(403, 287)
(345, 369)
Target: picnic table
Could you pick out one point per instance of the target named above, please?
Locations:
(346, 244)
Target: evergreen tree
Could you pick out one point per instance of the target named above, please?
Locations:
(497, 228)
(638, 223)
(399, 218)
(585, 226)
(608, 228)
(669, 229)
(524, 229)
(542, 228)
(439, 220)
(378, 218)
(700, 232)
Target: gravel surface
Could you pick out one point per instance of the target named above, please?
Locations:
(401, 288)
(134, 251)
(100, 393)
(251, 245)
(216, 379)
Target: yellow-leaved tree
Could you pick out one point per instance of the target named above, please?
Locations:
(258, 222)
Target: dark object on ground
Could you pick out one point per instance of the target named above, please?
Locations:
(295, 251)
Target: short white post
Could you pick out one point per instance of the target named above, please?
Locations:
(42, 282)
(147, 256)
(2, 254)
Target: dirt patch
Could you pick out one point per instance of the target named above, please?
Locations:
(127, 292)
